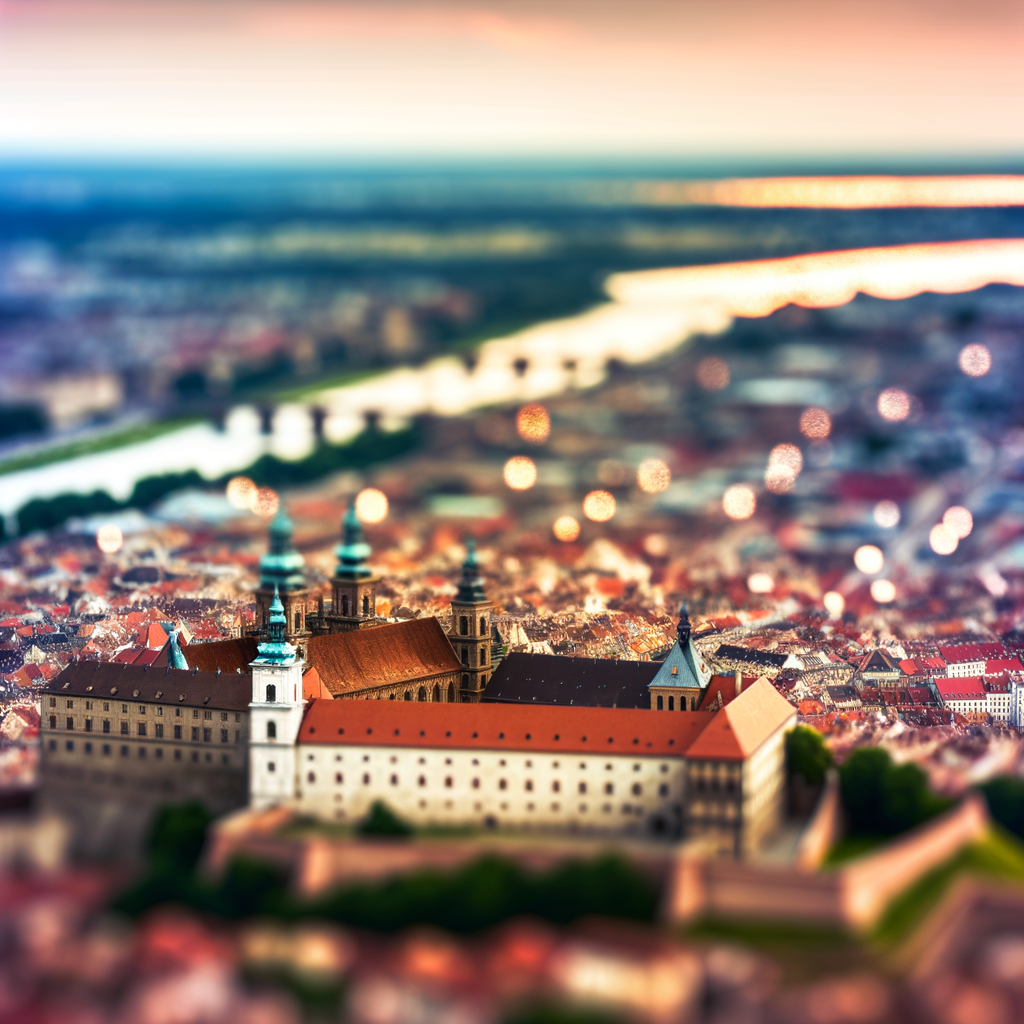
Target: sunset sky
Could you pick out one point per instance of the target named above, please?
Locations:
(635, 79)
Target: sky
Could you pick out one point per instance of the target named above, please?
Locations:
(478, 78)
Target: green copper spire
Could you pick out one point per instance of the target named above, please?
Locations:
(276, 651)
(353, 551)
(471, 586)
(282, 566)
(175, 657)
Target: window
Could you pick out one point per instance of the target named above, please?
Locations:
(88, 705)
(394, 780)
(207, 735)
(124, 728)
(344, 605)
(142, 709)
(271, 693)
(465, 655)
(311, 777)
(195, 712)
(124, 709)
(71, 722)
(177, 712)
(422, 695)
(70, 745)
(53, 702)
(207, 714)
(448, 782)
(53, 721)
(297, 621)
(556, 786)
(529, 786)
(483, 625)
(224, 736)
(662, 789)
(502, 784)
(609, 788)
(53, 744)
(671, 703)
(159, 712)
(661, 702)
(195, 732)
(223, 716)
(339, 778)
(106, 725)
(366, 779)
(124, 751)
(366, 605)
(271, 767)
(106, 750)
(142, 751)
(71, 703)
(463, 625)
(422, 780)
(177, 732)
(142, 728)
(88, 748)
(475, 783)
(582, 787)
(158, 730)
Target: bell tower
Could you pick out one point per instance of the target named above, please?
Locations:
(353, 585)
(283, 574)
(275, 715)
(470, 629)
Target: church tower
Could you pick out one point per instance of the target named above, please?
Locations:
(682, 680)
(470, 629)
(283, 575)
(353, 585)
(275, 715)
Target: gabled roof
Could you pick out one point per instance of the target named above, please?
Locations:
(153, 685)
(580, 682)
(736, 731)
(879, 661)
(537, 728)
(684, 666)
(381, 655)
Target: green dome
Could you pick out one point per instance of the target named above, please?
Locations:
(282, 566)
(353, 551)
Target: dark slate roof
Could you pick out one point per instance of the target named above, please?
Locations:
(581, 682)
(843, 694)
(231, 655)
(153, 685)
(752, 657)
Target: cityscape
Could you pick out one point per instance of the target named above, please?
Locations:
(451, 570)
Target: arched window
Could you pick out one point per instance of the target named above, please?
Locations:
(483, 626)
(298, 620)
(671, 703)
(366, 605)
(344, 605)
(391, 697)
(437, 694)
(451, 693)
(408, 694)
(661, 702)
(422, 695)
(463, 625)
(311, 777)
(465, 679)
(271, 730)
(271, 693)
(465, 655)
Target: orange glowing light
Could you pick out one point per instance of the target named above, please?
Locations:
(653, 476)
(883, 591)
(371, 505)
(241, 493)
(739, 501)
(109, 539)
(787, 455)
(894, 405)
(815, 423)
(520, 473)
(266, 503)
(861, 192)
(886, 514)
(943, 540)
(533, 424)
(869, 559)
(656, 545)
(713, 374)
(760, 583)
(566, 529)
(835, 603)
(599, 506)
(975, 360)
(959, 520)
(779, 479)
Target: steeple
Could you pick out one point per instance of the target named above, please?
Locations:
(276, 650)
(683, 629)
(282, 566)
(175, 657)
(471, 586)
(353, 551)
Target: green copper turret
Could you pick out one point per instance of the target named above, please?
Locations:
(353, 551)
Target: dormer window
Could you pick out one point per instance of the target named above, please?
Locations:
(675, 670)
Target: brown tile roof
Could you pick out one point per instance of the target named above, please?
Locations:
(152, 685)
(539, 728)
(381, 655)
(743, 724)
(232, 655)
(726, 686)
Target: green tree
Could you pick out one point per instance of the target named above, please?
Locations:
(382, 821)
(807, 755)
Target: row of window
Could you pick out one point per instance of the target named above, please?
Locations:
(106, 750)
(158, 711)
(467, 657)
(206, 734)
(528, 763)
(672, 703)
(556, 786)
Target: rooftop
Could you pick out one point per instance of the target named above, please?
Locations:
(736, 731)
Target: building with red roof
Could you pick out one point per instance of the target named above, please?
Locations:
(964, 695)
(964, 660)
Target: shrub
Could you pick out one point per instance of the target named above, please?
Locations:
(382, 821)
(807, 755)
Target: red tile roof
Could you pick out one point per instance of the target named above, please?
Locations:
(543, 728)
(381, 655)
(743, 724)
(951, 688)
(997, 665)
(972, 652)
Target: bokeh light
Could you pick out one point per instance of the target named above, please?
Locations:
(241, 493)
(835, 603)
(599, 506)
(533, 423)
(886, 514)
(943, 540)
(787, 455)
(975, 360)
(656, 545)
(739, 501)
(883, 591)
(713, 374)
(779, 479)
(959, 520)
(266, 503)
(520, 473)
(894, 405)
(109, 539)
(815, 423)
(566, 529)
(760, 583)
(869, 559)
(371, 505)
(653, 476)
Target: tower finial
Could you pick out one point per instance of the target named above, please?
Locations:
(683, 629)
(353, 551)
(471, 586)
